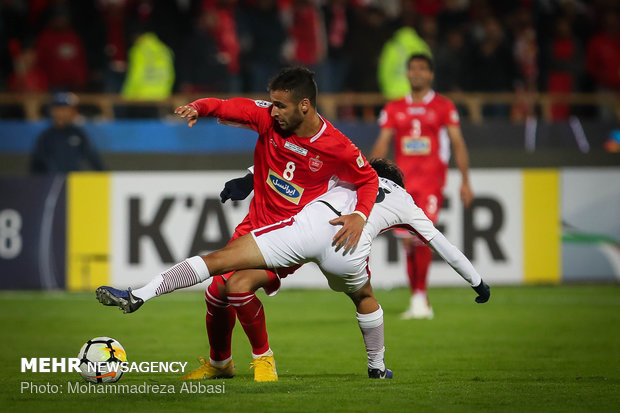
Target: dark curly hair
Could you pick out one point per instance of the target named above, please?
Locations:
(388, 170)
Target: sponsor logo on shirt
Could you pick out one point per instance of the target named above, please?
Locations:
(262, 103)
(315, 164)
(284, 188)
(297, 149)
(419, 146)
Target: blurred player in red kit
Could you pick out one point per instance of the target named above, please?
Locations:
(297, 156)
(423, 125)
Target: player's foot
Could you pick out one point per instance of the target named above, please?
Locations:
(419, 308)
(209, 371)
(265, 368)
(123, 299)
(378, 374)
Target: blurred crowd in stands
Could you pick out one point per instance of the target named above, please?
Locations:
(151, 48)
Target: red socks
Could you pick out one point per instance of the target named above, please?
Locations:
(252, 317)
(220, 321)
(419, 259)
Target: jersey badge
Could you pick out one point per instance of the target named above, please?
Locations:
(360, 160)
(284, 188)
(315, 164)
(454, 116)
(297, 149)
(383, 117)
(420, 146)
(262, 103)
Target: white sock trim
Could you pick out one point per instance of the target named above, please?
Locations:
(220, 363)
(148, 291)
(371, 320)
(199, 266)
(266, 353)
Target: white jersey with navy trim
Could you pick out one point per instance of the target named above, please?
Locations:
(308, 236)
(394, 208)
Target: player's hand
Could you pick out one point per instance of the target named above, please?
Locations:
(238, 189)
(188, 113)
(484, 292)
(350, 233)
(467, 194)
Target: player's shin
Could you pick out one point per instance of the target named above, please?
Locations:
(220, 321)
(184, 274)
(371, 326)
(252, 317)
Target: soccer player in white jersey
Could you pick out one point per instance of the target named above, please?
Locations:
(307, 237)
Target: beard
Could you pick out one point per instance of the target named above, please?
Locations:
(292, 123)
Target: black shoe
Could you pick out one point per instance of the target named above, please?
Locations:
(123, 299)
(378, 374)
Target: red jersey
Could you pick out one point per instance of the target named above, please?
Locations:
(290, 171)
(421, 143)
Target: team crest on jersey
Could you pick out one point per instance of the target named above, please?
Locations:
(284, 188)
(420, 146)
(262, 103)
(315, 164)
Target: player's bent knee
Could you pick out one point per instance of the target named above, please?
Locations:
(216, 262)
(239, 283)
(362, 294)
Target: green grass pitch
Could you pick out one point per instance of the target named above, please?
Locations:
(546, 349)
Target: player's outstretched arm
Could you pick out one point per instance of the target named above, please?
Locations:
(459, 262)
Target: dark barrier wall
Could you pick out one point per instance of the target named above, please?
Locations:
(208, 137)
(32, 232)
(171, 145)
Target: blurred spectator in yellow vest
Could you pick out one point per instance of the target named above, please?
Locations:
(392, 70)
(150, 73)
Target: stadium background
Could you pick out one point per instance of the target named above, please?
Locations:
(544, 153)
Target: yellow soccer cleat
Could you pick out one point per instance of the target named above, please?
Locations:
(264, 368)
(209, 371)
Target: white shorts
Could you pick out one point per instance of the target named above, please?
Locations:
(308, 237)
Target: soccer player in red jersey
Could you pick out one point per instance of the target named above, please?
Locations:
(422, 125)
(296, 155)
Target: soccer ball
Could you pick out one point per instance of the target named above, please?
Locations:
(101, 350)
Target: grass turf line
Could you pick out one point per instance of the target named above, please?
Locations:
(542, 349)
